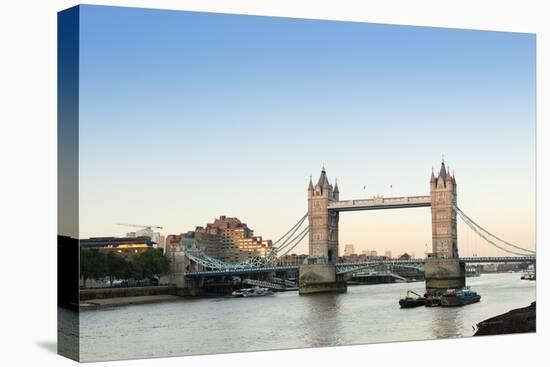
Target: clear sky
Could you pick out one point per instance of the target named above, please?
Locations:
(188, 116)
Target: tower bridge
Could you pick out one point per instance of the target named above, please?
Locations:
(324, 205)
(443, 267)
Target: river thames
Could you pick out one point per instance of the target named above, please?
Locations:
(365, 314)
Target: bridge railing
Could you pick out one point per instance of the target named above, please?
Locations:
(417, 262)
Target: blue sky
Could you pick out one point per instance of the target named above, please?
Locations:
(187, 116)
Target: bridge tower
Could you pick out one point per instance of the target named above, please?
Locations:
(323, 224)
(443, 269)
(319, 274)
(444, 233)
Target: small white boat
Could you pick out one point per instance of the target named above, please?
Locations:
(530, 274)
(252, 292)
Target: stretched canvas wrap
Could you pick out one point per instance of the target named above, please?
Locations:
(234, 183)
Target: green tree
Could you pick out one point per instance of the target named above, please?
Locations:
(93, 264)
(152, 263)
(85, 265)
(116, 267)
(131, 270)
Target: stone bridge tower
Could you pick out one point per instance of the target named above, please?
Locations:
(323, 224)
(443, 269)
(444, 233)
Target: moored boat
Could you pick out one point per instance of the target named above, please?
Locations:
(460, 297)
(433, 301)
(252, 292)
(530, 274)
(410, 302)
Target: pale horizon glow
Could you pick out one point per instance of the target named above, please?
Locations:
(185, 117)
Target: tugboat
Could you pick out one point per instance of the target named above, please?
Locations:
(410, 302)
(461, 297)
(252, 292)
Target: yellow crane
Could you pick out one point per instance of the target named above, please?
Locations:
(413, 292)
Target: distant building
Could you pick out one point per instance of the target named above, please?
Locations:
(373, 253)
(229, 240)
(156, 237)
(508, 267)
(127, 247)
(172, 240)
(387, 254)
(405, 256)
(349, 250)
(489, 268)
(353, 258)
(366, 252)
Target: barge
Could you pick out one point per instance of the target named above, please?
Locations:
(461, 297)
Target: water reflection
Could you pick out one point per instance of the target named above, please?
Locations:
(446, 323)
(323, 319)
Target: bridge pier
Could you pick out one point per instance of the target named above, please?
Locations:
(443, 274)
(320, 278)
(187, 287)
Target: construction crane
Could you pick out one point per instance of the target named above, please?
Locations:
(144, 226)
(409, 292)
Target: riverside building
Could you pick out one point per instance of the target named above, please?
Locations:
(227, 239)
(127, 247)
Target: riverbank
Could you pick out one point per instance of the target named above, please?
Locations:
(125, 301)
(519, 320)
(123, 292)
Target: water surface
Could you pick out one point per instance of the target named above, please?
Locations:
(365, 314)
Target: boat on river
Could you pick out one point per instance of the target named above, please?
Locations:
(410, 302)
(252, 292)
(460, 297)
(433, 300)
(530, 274)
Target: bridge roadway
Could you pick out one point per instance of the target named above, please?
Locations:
(379, 202)
(341, 267)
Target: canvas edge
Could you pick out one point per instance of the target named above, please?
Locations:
(68, 331)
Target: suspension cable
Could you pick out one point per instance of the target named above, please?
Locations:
(294, 228)
(289, 240)
(300, 237)
(486, 234)
(496, 245)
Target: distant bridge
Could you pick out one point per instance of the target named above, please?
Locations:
(342, 268)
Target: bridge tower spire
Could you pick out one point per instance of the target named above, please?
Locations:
(323, 224)
(444, 228)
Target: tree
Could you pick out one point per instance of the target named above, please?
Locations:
(131, 270)
(85, 265)
(116, 267)
(93, 264)
(152, 263)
